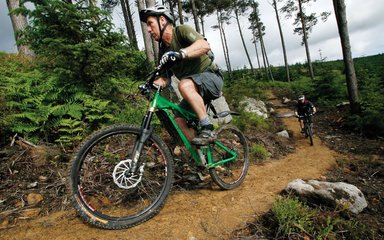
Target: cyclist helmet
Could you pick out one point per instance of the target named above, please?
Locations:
(301, 98)
(157, 11)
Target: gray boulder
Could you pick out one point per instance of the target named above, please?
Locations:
(220, 105)
(283, 133)
(255, 106)
(331, 194)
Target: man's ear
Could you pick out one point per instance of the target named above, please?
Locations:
(163, 21)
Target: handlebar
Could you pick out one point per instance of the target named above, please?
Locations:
(152, 75)
(306, 115)
(146, 87)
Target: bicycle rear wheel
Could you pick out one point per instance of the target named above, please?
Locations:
(105, 193)
(230, 174)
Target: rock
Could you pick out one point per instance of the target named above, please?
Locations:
(31, 212)
(342, 104)
(283, 133)
(286, 114)
(34, 198)
(43, 178)
(32, 185)
(331, 194)
(286, 100)
(191, 236)
(255, 106)
(177, 151)
(220, 105)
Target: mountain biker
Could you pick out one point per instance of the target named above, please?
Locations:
(304, 106)
(186, 53)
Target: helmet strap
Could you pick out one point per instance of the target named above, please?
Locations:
(162, 29)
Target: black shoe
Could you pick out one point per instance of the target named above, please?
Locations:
(206, 136)
(302, 130)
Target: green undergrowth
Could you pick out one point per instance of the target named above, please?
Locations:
(289, 218)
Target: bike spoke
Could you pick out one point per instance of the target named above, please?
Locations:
(230, 174)
(107, 186)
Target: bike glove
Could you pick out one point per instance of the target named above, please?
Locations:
(170, 58)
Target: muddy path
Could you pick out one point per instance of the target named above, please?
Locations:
(203, 213)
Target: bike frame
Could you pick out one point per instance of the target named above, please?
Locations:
(158, 102)
(307, 120)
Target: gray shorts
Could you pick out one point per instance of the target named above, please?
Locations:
(210, 84)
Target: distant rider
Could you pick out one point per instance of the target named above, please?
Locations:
(303, 107)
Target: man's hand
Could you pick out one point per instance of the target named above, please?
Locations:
(161, 82)
(170, 58)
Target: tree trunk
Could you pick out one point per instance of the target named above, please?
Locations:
(263, 53)
(341, 19)
(180, 10)
(195, 16)
(224, 44)
(202, 25)
(305, 40)
(226, 47)
(242, 40)
(269, 71)
(19, 23)
(257, 56)
(222, 41)
(155, 44)
(282, 42)
(170, 3)
(129, 23)
(147, 38)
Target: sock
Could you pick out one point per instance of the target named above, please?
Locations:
(205, 123)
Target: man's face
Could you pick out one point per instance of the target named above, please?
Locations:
(153, 27)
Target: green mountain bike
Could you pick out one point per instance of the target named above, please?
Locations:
(121, 176)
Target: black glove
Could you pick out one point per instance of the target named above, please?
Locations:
(170, 58)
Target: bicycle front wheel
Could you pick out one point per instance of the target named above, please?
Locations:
(230, 174)
(106, 192)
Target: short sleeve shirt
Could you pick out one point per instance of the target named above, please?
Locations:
(184, 36)
(305, 107)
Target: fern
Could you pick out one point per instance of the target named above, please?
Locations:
(70, 131)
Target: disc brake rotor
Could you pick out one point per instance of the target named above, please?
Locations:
(124, 178)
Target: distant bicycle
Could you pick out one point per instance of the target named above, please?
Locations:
(308, 126)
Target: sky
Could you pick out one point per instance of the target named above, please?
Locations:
(365, 25)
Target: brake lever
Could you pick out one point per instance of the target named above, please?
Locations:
(151, 76)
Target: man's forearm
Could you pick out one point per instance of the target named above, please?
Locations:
(196, 49)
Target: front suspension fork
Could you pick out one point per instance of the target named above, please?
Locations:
(146, 131)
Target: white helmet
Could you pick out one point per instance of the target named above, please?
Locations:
(157, 10)
(301, 98)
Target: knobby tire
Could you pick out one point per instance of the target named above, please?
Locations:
(310, 133)
(231, 174)
(98, 199)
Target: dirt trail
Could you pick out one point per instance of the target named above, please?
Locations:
(199, 214)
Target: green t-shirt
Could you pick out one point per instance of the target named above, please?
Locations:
(184, 36)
